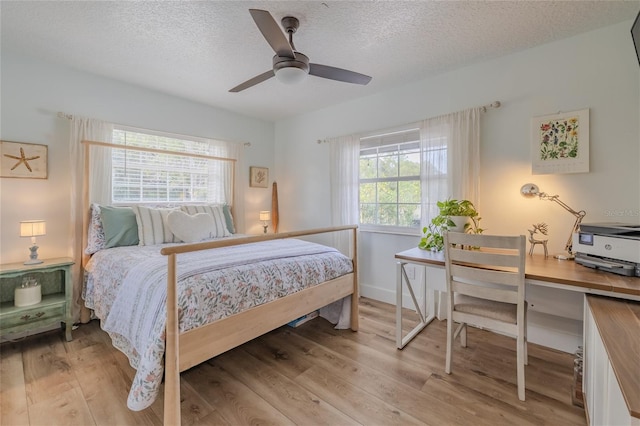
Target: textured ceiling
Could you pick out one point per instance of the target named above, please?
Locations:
(199, 50)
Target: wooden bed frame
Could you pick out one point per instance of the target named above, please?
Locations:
(193, 347)
(185, 350)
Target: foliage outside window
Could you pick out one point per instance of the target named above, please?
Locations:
(139, 176)
(389, 193)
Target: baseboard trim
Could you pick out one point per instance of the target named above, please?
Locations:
(389, 296)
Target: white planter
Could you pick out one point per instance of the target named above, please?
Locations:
(460, 221)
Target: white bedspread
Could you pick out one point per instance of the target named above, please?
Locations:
(126, 287)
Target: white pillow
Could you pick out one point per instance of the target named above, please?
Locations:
(219, 228)
(152, 226)
(190, 229)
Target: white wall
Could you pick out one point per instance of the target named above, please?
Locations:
(32, 94)
(597, 70)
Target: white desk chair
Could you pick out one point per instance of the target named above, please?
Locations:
(485, 288)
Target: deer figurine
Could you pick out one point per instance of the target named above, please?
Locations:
(543, 228)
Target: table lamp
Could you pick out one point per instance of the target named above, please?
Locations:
(33, 229)
(530, 190)
(265, 217)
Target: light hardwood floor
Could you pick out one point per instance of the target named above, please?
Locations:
(311, 375)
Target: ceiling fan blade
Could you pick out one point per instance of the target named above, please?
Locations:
(252, 82)
(338, 74)
(272, 32)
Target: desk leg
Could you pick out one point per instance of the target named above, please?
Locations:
(401, 275)
(399, 267)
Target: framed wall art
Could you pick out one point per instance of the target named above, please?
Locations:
(23, 160)
(258, 177)
(560, 143)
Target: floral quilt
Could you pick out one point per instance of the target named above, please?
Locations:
(126, 288)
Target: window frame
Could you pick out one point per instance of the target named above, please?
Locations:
(192, 155)
(409, 135)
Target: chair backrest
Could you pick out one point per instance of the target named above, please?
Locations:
(485, 266)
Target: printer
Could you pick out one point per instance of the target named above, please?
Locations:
(612, 247)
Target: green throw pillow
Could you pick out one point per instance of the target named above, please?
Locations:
(120, 226)
(228, 218)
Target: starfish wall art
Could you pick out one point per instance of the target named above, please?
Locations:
(23, 160)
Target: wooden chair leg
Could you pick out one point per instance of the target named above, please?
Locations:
(520, 366)
(463, 335)
(526, 341)
(447, 367)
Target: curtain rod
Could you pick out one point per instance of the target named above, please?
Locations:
(494, 104)
(483, 108)
(70, 117)
(154, 150)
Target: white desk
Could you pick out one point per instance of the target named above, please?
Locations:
(540, 271)
(567, 275)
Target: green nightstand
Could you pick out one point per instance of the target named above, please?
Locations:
(54, 277)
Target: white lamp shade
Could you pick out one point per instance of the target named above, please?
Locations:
(33, 228)
(290, 75)
(265, 215)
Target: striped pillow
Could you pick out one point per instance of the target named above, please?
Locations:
(152, 226)
(219, 224)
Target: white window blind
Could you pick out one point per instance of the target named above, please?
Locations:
(143, 177)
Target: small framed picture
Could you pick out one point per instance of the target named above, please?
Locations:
(560, 143)
(23, 160)
(258, 177)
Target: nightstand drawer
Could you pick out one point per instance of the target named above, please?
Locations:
(54, 278)
(52, 308)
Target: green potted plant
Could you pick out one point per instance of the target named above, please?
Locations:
(457, 215)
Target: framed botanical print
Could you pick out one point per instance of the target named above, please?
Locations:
(560, 143)
(23, 160)
(258, 177)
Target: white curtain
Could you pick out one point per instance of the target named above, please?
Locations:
(99, 187)
(344, 160)
(228, 171)
(450, 145)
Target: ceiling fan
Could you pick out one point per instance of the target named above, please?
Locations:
(289, 65)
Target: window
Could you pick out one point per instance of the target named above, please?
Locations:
(390, 191)
(140, 176)
(403, 173)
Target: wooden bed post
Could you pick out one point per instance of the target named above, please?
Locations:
(171, 370)
(274, 208)
(85, 313)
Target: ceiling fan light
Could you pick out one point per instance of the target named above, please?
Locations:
(291, 75)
